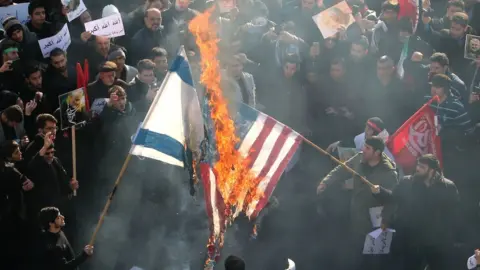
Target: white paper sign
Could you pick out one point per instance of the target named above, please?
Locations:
(472, 262)
(20, 11)
(61, 40)
(111, 26)
(98, 106)
(76, 8)
(378, 242)
(376, 216)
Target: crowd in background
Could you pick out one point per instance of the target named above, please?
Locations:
(273, 56)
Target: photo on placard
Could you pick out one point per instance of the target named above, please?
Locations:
(472, 47)
(72, 108)
(71, 4)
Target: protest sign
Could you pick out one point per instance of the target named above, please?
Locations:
(378, 242)
(111, 26)
(472, 47)
(20, 11)
(333, 18)
(75, 8)
(61, 40)
(72, 108)
(376, 216)
(98, 105)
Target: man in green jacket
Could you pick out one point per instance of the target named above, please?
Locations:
(374, 165)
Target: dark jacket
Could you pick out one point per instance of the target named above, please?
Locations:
(51, 181)
(55, 252)
(422, 215)
(143, 42)
(56, 84)
(384, 174)
(98, 89)
(47, 30)
(12, 202)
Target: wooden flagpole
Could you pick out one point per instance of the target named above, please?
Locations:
(363, 179)
(74, 156)
(109, 200)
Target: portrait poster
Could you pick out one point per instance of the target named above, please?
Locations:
(75, 8)
(72, 108)
(331, 19)
(472, 47)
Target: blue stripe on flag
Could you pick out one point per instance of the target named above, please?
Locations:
(160, 142)
(246, 116)
(182, 68)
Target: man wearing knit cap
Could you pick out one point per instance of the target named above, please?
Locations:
(124, 72)
(11, 73)
(422, 209)
(106, 79)
(27, 41)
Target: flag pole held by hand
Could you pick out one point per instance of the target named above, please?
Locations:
(363, 179)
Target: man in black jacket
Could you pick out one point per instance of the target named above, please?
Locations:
(56, 251)
(422, 209)
(106, 79)
(53, 186)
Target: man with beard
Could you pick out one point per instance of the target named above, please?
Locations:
(149, 36)
(106, 79)
(60, 77)
(375, 166)
(439, 64)
(422, 209)
(11, 124)
(33, 91)
(55, 251)
(359, 63)
(176, 19)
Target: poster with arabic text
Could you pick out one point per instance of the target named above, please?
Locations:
(61, 40)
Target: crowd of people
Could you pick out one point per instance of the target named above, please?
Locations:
(379, 70)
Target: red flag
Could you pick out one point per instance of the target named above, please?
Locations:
(86, 77)
(416, 137)
(411, 9)
(80, 76)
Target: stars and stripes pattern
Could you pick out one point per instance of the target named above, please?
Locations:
(268, 145)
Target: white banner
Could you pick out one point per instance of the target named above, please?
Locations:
(111, 26)
(75, 8)
(61, 40)
(20, 11)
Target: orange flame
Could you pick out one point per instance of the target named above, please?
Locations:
(234, 180)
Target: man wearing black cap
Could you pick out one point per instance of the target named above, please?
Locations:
(27, 41)
(422, 209)
(375, 166)
(106, 79)
(451, 113)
